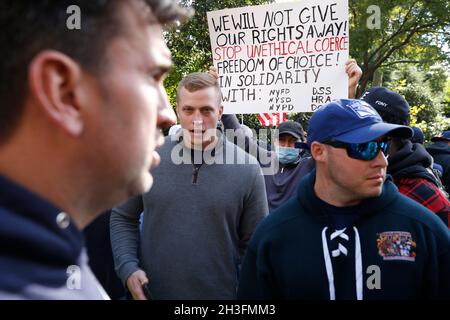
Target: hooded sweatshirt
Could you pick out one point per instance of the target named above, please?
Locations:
(441, 154)
(408, 166)
(41, 256)
(396, 249)
(411, 161)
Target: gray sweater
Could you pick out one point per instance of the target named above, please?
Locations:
(197, 223)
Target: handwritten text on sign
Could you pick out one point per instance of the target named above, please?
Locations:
(287, 57)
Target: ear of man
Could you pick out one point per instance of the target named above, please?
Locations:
(319, 151)
(57, 90)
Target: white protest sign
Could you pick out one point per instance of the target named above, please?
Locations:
(286, 57)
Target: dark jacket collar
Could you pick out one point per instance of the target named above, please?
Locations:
(30, 229)
(411, 161)
(309, 200)
(439, 147)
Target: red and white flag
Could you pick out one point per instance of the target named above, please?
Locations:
(271, 119)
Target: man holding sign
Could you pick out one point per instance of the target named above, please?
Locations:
(286, 57)
(282, 180)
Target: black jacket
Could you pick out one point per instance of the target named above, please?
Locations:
(441, 154)
(282, 185)
(411, 161)
(41, 251)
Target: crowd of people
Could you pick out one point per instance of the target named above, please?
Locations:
(95, 203)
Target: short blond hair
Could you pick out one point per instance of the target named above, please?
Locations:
(198, 81)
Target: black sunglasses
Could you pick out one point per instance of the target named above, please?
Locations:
(362, 151)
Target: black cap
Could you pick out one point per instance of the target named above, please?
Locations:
(387, 101)
(444, 137)
(293, 128)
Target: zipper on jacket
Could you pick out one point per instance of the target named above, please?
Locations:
(195, 174)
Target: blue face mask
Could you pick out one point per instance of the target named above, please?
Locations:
(287, 155)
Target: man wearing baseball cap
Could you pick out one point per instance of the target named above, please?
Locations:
(294, 164)
(284, 165)
(409, 163)
(348, 234)
(440, 151)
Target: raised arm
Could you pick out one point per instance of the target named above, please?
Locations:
(354, 73)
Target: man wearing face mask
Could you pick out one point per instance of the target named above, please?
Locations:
(294, 163)
(289, 134)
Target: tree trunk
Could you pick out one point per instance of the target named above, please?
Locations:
(377, 78)
(364, 81)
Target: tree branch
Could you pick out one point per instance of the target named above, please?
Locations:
(394, 48)
(398, 32)
(353, 9)
(401, 61)
(416, 29)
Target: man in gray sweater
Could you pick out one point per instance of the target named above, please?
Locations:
(208, 196)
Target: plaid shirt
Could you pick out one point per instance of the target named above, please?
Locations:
(427, 194)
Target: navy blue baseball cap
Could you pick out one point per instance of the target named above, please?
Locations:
(351, 121)
(386, 101)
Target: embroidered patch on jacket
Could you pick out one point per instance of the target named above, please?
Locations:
(396, 245)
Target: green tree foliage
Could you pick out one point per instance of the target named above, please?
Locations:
(414, 32)
(446, 101)
(424, 91)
